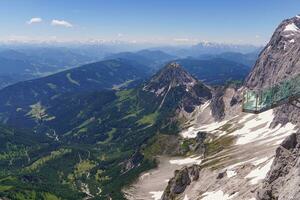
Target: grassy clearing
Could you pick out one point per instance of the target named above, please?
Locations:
(40, 162)
(125, 94)
(4, 188)
(148, 119)
(219, 144)
(83, 167)
(122, 85)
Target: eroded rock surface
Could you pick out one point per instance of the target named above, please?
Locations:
(283, 180)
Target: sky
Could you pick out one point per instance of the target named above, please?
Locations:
(141, 21)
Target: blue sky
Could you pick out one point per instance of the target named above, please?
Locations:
(152, 21)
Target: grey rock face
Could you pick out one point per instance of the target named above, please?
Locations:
(217, 104)
(282, 181)
(180, 181)
(278, 61)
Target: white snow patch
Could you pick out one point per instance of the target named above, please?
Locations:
(292, 41)
(259, 173)
(291, 27)
(217, 195)
(235, 165)
(260, 161)
(298, 16)
(191, 132)
(144, 175)
(230, 173)
(186, 197)
(160, 91)
(186, 161)
(156, 195)
(258, 129)
(279, 133)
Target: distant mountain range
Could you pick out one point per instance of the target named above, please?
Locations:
(153, 59)
(23, 64)
(208, 48)
(215, 71)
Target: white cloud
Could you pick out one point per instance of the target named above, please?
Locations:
(257, 36)
(120, 35)
(34, 20)
(64, 23)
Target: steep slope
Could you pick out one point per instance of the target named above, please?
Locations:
(282, 182)
(244, 159)
(173, 84)
(279, 59)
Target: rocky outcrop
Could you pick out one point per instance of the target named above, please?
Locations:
(134, 161)
(180, 181)
(279, 60)
(283, 180)
(217, 104)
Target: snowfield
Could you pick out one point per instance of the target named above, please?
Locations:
(156, 195)
(259, 173)
(257, 129)
(187, 161)
(217, 195)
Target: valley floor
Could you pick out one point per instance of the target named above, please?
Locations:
(151, 184)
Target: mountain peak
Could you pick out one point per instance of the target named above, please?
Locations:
(279, 59)
(173, 65)
(172, 75)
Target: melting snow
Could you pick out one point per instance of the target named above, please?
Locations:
(192, 131)
(156, 195)
(292, 41)
(259, 173)
(291, 27)
(258, 128)
(218, 195)
(186, 161)
(230, 173)
(260, 161)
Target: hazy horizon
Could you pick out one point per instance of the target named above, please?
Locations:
(142, 22)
